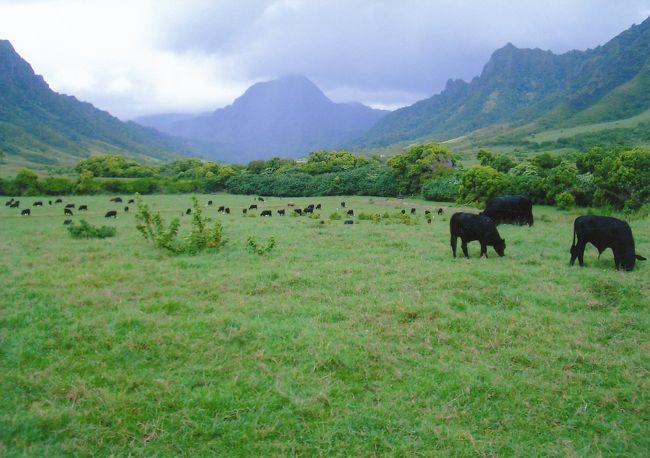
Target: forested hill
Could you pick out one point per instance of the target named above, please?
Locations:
(520, 86)
(40, 126)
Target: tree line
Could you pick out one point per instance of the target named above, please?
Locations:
(617, 177)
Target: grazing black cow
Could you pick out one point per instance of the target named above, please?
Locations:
(471, 227)
(403, 212)
(227, 210)
(412, 211)
(188, 211)
(604, 232)
(83, 208)
(49, 202)
(281, 212)
(350, 212)
(9, 202)
(348, 221)
(311, 206)
(111, 214)
(38, 203)
(15, 204)
(260, 199)
(209, 203)
(58, 201)
(244, 211)
(252, 207)
(342, 204)
(131, 201)
(26, 212)
(67, 222)
(266, 213)
(126, 209)
(298, 211)
(116, 199)
(221, 209)
(427, 212)
(69, 206)
(308, 210)
(318, 207)
(67, 212)
(510, 210)
(428, 220)
(440, 211)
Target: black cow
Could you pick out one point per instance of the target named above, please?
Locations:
(15, 204)
(188, 211)
(318, 207)
(209, 203)
(252, 207)
(58, 201)
(350, 213)
(9, 202)
(67, 222)
(266, 213)
(227, 210)
(427, 212)
(111, 214)
(116, 199)
(244, 211)
(440, 211)
(308, 210)
(342, 204)
(49, 202)
(403, 212)
(428, 220)
(604, 232)
(126, 209)
(471, 227)
(221, 209)
(131, 201)
(281, 212)
(38, 203)
(412, 211)
(67, 212)
(348, 221)
(83, 208)
(26, 212)
(311, 206)
(69, 206)
(510, 210)
(260, 199)
(298, 211)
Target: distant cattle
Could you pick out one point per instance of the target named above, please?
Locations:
(83, 208)
(291, 204)
(116, 199)
(311, 206)
(209, 203)
(298, 211)
(111, 214)
(261, 199)
(348, 221)
(350, 212)
(266, 213)
(342, 204)
(440, 211)
(510, 210)
(403, 212)
(126, 209)
(308, 210)
(427, 212)
(38, 203)
(227, 210)
(9, 202)
(221, 209)
(58, 201)
(604, 232)
(281, 212)
(318, 207)
(26, 212)
(69, 206)
(67, 212)
(252, 207)
(471, 227)
(15, 204)
(131, 201)
(67, 222)
(412, 211)
(188, 211)
(49, 202)
(428, 220)
(244, 211)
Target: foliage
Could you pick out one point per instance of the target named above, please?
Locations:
(444, 188)
(565, 200)
(255, 247)
(335, 216)
(480, 183)
(114, 166)
(419, 164)
(86, 231)
(332, 161)
(499, 162)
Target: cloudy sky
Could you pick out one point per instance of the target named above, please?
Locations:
(136, 57)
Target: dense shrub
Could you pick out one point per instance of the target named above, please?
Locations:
(444, 188)
(84, 230)
(255, 247)
(565, 200)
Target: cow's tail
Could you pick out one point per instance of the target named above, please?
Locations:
(639, 257)
(573, 245)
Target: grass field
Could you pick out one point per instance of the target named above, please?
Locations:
(362, 340)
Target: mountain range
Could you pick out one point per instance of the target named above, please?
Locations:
(286, 117)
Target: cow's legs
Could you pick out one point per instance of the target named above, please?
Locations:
(483, 250)
(453, 244)
(463, 245)
(578, 251)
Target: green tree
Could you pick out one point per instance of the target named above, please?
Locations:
(26, 183)
(480, 183)
(419, 164)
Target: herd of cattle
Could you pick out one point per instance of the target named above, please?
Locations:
(601, 231)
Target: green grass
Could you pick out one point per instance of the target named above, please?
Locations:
(359, 340)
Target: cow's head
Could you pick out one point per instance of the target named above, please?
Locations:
(500, 247)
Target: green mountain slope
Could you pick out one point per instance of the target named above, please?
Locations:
(533, 88)
(40, 126)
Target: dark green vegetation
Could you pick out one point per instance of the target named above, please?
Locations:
(343, 340)
(524, 92)
(40, 127)
(85, 230)
(618, 178)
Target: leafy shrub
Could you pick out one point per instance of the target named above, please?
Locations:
(335, 216)
(565, 200)
(443, 188)
(254, 247)
(85, 231)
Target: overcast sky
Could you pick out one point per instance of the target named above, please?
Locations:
(136, 57)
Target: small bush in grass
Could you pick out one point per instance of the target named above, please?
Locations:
(565, 200)
(335, 216)
(86, 231)
(253, 246)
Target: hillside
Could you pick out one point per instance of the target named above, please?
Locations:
(41, 127)
(533, 88)
(287, 117)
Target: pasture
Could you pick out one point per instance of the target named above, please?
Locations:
(344, 340)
